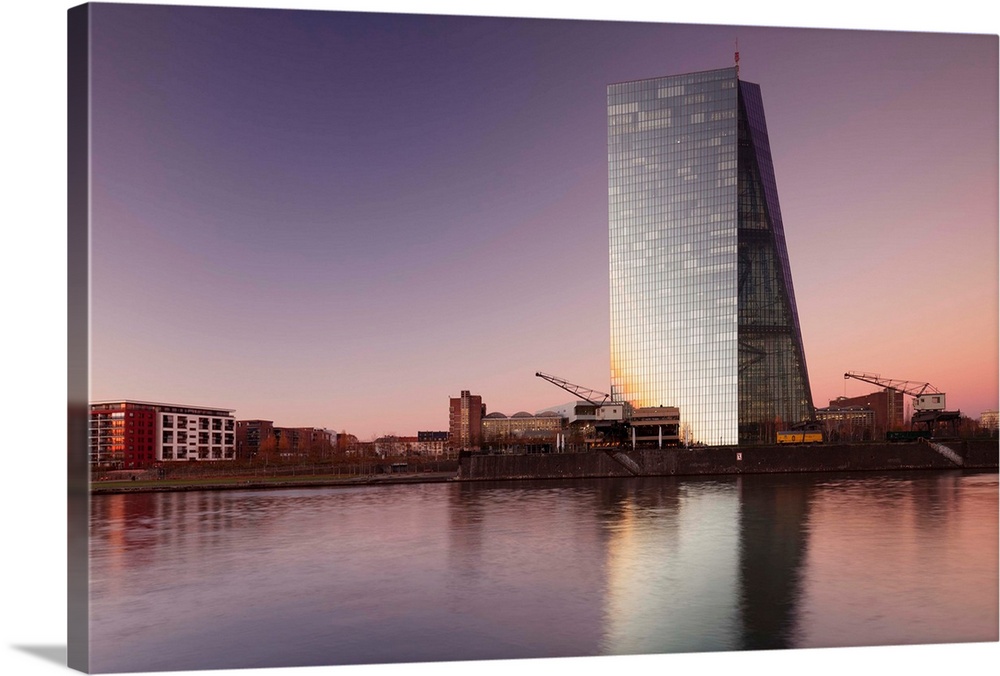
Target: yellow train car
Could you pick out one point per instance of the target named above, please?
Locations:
(804, 437)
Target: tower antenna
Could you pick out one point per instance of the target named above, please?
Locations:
(737, 57)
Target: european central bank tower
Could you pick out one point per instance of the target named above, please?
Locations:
(703, 313)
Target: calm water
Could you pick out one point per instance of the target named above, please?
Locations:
(541, 569)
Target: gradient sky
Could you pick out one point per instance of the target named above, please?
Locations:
(34, 283)
(342, 220)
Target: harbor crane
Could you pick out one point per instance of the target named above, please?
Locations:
(584, 393)
(928, 401)
(616, 422)
(609, 417)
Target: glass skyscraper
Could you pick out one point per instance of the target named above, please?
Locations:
(703, 312)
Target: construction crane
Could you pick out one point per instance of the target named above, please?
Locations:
(928, 401)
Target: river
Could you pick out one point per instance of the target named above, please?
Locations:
(430, 572)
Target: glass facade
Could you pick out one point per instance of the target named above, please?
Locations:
(702, 309)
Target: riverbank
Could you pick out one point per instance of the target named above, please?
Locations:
(980, 454)
(250, 482)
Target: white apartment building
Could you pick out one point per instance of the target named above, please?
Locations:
(176, 432)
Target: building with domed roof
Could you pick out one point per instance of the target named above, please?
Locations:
(520, 427)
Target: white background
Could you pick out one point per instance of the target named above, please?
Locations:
(34, 328)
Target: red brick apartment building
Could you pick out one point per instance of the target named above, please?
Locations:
(465, 421)
(886, 404)
(126, 434)
(252, 435)
(122, 435)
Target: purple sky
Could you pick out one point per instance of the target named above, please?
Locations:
(34, 279)
(340, 220)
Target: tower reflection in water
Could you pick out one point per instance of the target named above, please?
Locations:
(697, 566)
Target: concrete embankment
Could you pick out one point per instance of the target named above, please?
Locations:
(965, 454)
(255, 483)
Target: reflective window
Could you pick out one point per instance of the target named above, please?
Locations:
(683, 280)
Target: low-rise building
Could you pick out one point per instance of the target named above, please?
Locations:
(522, 429)
(127, 434)
(254, 437)
(655, 426)
(432, 444)
(250, 434)
(842, 424)
(573, 412)
(425, 444)
(392, 446)
(887, 406)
